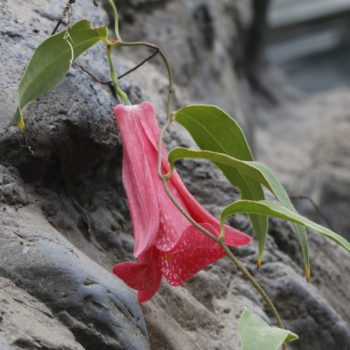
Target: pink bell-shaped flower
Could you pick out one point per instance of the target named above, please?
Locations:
(166, 244)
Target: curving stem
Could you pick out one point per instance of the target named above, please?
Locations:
(165, 177)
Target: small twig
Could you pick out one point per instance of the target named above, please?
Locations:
(93, 77)
(252, 280)
(57, 25)
(140, 64)
(65, 12)
(316, 208)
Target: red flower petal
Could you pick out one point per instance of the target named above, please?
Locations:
(144, 276)
(138, 178)
(191, 254)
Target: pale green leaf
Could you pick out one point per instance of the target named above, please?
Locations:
(276, 210)
(256, 334)
(280, 193)
(51, 61)
(214, 130)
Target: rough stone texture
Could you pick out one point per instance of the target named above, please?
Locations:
(64, 217)
(97, 308)
(28, 323)
(306, 138)
(303, 138)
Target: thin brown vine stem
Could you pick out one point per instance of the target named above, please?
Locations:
(160, 152)
(94, 78)
(164, 59)
(219, 240)
(139, 64)
(253, 281)
(66, 10)
(184, 212)
(230, 255)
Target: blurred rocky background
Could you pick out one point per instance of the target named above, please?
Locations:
(279, 67)
(309, 42)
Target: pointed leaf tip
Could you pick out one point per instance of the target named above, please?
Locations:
(308, 274)
(21, 125)
(258, 264)
(19, 119)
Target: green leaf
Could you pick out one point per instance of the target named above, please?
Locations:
(257, 171)
(256, 334)
(274, 209)
(280, 193)
(214, 130)
(51, 61)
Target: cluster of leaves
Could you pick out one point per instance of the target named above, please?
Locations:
(220, 140)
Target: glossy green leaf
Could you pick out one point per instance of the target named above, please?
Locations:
(257, 171)
(256, 334)
(214, 130)
(274, 209)
(51, 61)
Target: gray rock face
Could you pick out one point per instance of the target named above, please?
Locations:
(96, 307)
(28, 323)
(310, 142)
(84, 305)
(63, 212)
(304, 141)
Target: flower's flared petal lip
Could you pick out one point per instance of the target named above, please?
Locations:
(195, 251)
(171, 240)
(192, 253)
(146, 294)
(138, 176)
(172, 221)
(143, 276)
(235, 238)
(135, 275)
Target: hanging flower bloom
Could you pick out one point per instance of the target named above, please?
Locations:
(166, 244)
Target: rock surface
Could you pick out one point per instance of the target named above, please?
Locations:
(307, 138)
(63, 212)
